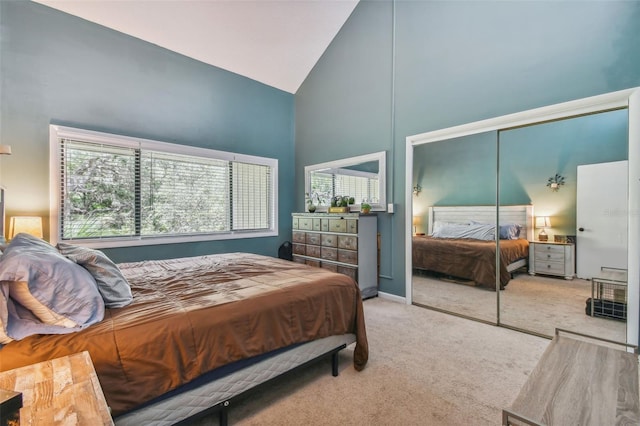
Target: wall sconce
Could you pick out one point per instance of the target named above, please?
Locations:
(417, 189)
(28, 224)
(543, 222)
(555, 182)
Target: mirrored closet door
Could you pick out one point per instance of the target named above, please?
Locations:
(454, 193)
(564, 178)
(574, 174)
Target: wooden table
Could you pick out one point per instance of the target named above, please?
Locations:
(62, 391)
(578, 382)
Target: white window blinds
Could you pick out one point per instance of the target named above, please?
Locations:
(117, 191)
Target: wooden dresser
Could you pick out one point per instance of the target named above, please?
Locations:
(346, 243)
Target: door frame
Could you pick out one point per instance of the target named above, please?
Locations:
(628, 98)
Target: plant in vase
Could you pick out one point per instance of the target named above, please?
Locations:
(313, 201)
(365, 208)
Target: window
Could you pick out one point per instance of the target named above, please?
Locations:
(114, 190)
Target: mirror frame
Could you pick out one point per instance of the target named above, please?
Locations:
(380, 157)
(628, 98)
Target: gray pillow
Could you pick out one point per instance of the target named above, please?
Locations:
(55, 284)
(112, 285)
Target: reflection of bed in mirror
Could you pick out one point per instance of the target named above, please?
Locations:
(455, 251)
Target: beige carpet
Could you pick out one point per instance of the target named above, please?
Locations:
(536, 303)
(425, 368)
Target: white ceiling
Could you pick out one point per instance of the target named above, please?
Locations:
(276, 42)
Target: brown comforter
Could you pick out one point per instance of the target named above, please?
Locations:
(469, 259)
(192, 315)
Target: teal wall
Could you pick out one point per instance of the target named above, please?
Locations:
(463, 171)
(401, 68)
(60, 69)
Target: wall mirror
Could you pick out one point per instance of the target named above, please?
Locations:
(588, 143)
(363, 178)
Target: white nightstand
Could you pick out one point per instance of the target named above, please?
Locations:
(551, 258)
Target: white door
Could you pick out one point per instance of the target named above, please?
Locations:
(601, 217)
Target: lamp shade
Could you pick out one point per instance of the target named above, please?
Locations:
(5, 149)
(543, 222)
(28, 224)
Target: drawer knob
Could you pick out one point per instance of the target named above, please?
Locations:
(548, 256)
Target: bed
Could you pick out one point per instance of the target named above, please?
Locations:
(202, 330)
(470, 258)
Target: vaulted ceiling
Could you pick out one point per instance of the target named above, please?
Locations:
(276, 42)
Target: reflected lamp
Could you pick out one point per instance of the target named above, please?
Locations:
(543, 222)
(417, 220)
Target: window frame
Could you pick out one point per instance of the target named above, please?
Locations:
(57, 132)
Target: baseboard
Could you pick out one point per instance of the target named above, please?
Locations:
(392, 297)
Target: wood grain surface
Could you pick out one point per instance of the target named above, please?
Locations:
(63, 391)
(577, 382)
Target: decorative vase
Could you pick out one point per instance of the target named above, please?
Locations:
(366, 211)
(312, 208)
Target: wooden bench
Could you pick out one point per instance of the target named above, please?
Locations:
(579, 382)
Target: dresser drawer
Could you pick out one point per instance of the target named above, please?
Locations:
(348, 256)
(351, 272)
(338, 225)
(299, 249)
(299, 259)
(295, 223)
(305, 223)
(313, 238)
(348, 242)
(315, 263)
(329, 240)
(352, 226)
(316, 224)
(299, 237)
(324, 225)
(329, 266)
(549, 248)
(555, 268)
(313, 251)
(550, 256)
(329, 253)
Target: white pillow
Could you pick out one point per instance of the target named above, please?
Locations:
(439, 225)
(19, 291)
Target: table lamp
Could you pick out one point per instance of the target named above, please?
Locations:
(28, 224)
(543, 222)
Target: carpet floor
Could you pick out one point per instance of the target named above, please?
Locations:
(535, 303)
(425, 368)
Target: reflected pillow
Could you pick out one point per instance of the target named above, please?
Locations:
(475, 231)
(439, 225)
(113, 287)
(510, 231)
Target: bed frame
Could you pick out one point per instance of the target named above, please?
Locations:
(218, 391)
(520, 214)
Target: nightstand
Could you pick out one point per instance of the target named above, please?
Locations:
(60, 391)
(549, 258)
